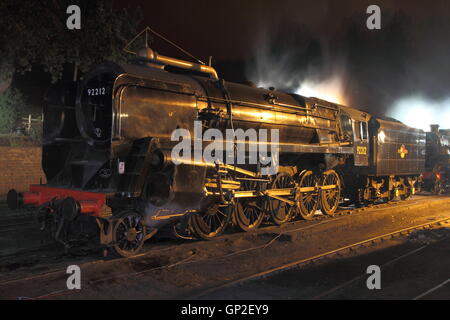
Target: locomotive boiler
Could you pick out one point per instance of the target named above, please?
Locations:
(107, 156)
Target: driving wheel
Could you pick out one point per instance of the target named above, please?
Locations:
(307, 195)
(281, 211)
(330, 192)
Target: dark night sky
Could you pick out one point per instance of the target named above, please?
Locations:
(228, 29)
(409, 54)
(285, 42)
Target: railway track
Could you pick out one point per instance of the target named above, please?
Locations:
(14, 223)
(255, 276)
(303, 225)
(25, 221)
(20, 223)
(387, 264)
(18, 226)
(297, 263)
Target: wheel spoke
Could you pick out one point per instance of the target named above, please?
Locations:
(221, 213)
(128, 234)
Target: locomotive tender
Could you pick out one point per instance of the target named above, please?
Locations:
(107, 156)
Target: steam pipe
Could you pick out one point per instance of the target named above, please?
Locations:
(154, 57)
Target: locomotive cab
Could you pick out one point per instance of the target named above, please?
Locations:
(354, 124)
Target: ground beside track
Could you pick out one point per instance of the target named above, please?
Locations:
(416, 266)
(185, 269)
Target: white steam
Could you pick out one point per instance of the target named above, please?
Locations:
(419, 112)
(330, 89)
(281, 71)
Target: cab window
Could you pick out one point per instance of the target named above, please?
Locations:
(360, 128)
(346, 123)
(357, 130)
(363, 130)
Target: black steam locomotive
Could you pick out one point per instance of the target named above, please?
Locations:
(107, 156)
(436, 177)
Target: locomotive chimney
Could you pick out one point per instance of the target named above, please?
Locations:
(434, 128)
(154, 59)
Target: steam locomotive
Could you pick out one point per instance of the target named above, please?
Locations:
(111, 178)
(436, 178)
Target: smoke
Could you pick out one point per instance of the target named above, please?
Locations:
(419, 111)
(331, 88)
(400, 71)
(299, 63)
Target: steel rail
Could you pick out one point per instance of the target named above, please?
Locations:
(338, 216)
(327, 219)
(313, 258)
(362, 276)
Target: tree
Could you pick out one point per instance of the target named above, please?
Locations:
(35, 33)
(10, 101)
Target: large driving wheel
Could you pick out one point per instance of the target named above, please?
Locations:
(128, 234)
(249, 214)
(212, 221)
(280, 211)
(330, 192)
(307, 195)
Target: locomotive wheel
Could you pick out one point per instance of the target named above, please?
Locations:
(211, 222)
(128, 234)
(183, 229)
(367, 198)
(330, 198)
(249, 214)
(390, 197)
(308, 201)
(407, 191)
(438, 189)
(280, 211)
